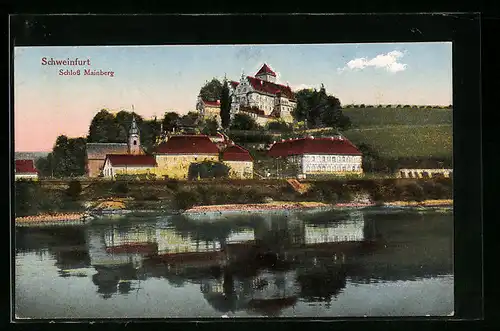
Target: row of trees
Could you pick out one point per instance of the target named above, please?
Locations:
(398, 106)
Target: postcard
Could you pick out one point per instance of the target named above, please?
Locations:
(233, 181)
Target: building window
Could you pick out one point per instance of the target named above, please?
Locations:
(135, 142)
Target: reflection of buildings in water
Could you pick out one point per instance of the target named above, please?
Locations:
(334, 232)
(169, 241)
(114, 236)
(266, 293)
(116, 279)
(241, 236)
(293, 230)
(103, 252)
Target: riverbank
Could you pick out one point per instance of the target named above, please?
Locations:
(105, 197)
(276, 205)
(425, 203)
(53, 219)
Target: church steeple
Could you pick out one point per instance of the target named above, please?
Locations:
(134, 142)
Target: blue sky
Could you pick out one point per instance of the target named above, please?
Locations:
(156, 79)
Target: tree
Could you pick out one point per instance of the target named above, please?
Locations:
(243, 122)
(279, 126)
(171, 121)
(225, 106)
(191, 119)
(100, 127)
(209, 127)
(212, 90)
(319, 109)
(74, 189)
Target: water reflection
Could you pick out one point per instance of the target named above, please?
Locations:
(261, 265)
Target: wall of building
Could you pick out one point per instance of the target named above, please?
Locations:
(240, 169)
(334, 164)
(94, 167)
(213, 112)
(422, 173)
(26, 176)
(177, 165)
(110, 171)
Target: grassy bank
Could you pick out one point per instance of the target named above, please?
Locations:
(33, 198)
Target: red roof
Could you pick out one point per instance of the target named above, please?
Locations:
(26, 166)
(188, 144)
(265, 70)
(236, 153)
(311, 145)
(270, 88)
(234, 84)
(131, 160)
(212, 103)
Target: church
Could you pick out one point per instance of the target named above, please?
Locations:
(97, 152)
(260, 97)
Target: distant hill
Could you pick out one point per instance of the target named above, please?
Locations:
(29, 155)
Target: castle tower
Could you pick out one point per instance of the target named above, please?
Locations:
(265, 73)
(134, 142)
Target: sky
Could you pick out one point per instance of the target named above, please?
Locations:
(157, 79)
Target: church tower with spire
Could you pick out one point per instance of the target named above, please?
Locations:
(134, 141)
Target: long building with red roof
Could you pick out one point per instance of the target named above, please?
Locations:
(261, 97)
(319, 156)
(175, 155)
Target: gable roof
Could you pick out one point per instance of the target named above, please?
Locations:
(270, 88)
(131, 160)
(236, 153)
(100, 150)
(310, 145)
(25, 167)
(187, 144)
(234, 84)
(212, 103)
(265, 70)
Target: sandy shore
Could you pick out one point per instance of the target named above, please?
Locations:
(425, 203)
(278, 205)
(52, 219)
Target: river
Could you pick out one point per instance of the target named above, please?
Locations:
(331, 264)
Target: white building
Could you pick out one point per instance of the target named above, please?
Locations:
(319, 156)
(262, 98)
(128, 164)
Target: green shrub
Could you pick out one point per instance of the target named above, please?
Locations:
(120, 187)
(74, 189)
(172, 184)
(185, 199)
(414, 192)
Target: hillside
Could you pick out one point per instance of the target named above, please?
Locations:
(403, 132)
(29, 155)
(376, 117)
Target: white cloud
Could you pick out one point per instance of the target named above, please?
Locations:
(303, 86)
(387, 61)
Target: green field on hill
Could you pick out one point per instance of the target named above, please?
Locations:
(369, 117)
(403, 132)
(406, 141)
